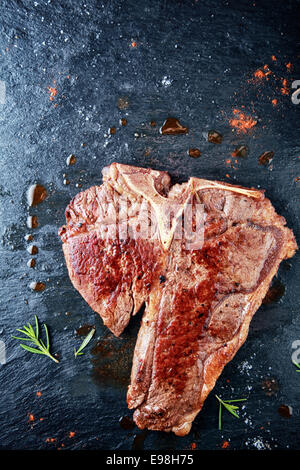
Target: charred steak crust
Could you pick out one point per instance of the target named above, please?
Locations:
(199, 302)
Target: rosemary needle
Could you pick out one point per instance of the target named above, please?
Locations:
(33, 337)
(84, 343)
(297, 365)
(229, 407)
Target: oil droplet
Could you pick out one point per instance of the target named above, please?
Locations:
(37, 286)
(214, 137)
(195, 153)
(241, 151)
(84, 330)
(172, 126)
(71, 160)
(266, 158)
(36, 194)
(126, 423)
(31, 263)
(32, 221)
(28, 237)
(66, 182)
(285, 411)
(33, 249)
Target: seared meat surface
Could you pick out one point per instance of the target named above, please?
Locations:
(200, 291)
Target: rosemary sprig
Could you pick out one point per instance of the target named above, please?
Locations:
(84, 343)
(33, 337)
(297, 365)
(230, 408)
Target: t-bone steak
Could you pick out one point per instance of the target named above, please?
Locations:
(199, 293)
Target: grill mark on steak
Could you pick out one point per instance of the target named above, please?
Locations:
(196, 319)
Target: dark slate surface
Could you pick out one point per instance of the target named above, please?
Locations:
(194, 61)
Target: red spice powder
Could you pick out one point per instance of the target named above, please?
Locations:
(51, 439)
(274, 58)
(30, 417)
(259, 74)
(284, 90)
(242, 122)
(289, 66)
(193, 445)
(38, 394)
(262, 73)
(225, 445)
(133, 44)
(53, 92)
(71, 434)
(274, 102)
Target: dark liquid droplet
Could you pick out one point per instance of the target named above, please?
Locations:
(84, 330)
(195, 153)
(138, 441)
(285, 411)
(37, 286)
(126, 423)
(32, 221)
(28, 237)
(112, 130)
(152, 123)
(36, 194)
(33, 249)
(31, 263)
(275, 292)
(172, 126)
(266, 158)
(241, 151)
(214, 137)
(123, 122)
(71, 160)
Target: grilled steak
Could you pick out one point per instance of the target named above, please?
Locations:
(200, 292)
